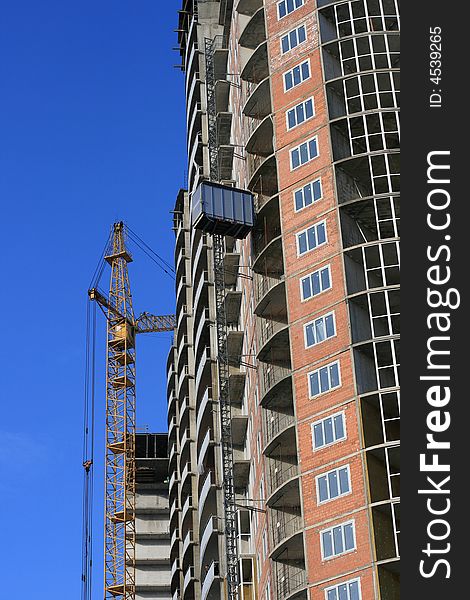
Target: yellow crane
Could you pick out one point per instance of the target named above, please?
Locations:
(122, 328)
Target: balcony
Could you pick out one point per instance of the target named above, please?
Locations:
(225, 162)
(184, 446)
(233, 302)
(175, 570)
(210, 532)
(170, 379)
(185, 409)
(270, 295)
(207, 442)
(172, 455)
(267, 242)
(202, 336)
(239, 426)
(258, 104)
(287, 535)
(174, 479)
(181, 323)
(231, 266)
(188, 581)
(183, 349)
(236, 381)
(195, 126)
(255, 31)
(263, 174)
(185, 512)
(273, 340)
(235, 345)
(283, 484)
(257, 67)
(241, 470)
(188, 543)
(290, 580)
(171, 410)
(203, 375)
(204, 411)
(211, 584)
(222, 93)
(204, 281)
(186, 473)
(184, 375)
(224, 127)
(174, 508)
(172, 427)
(275, 385)
(180, 234)
(180, 296)
(200, 256)
(276, 428)
(261, 141)
(206, 491)
(174, 544)
(248, 7)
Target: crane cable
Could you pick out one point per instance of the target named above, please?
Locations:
(88, 453)
(146, 249)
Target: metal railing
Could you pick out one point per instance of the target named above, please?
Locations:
(283, 525)
(279, 473)
(288, 579)
(270, 375)
(274, 422)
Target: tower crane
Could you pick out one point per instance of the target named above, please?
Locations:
(122, 328)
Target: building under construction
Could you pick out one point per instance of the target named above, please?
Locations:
(282, 378)
(295, 101)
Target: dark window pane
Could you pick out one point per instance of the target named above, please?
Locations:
(339, 427)
(318, 435)
(314, 385)
(329, 437)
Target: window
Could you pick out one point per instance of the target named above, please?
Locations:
(300, 155)
(333, 484)
(311, 238)
(315, 283)
(296, 75)
(293, 39)
(307, 195)
(328, 431)
(320, 329)
(287, 6)
(348, 590)
(324, 379)
(338, 540)
(300, 113)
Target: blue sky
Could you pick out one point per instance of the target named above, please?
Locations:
(91, 131)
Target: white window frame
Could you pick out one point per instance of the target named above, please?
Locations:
(291, 70)
(308, 142)
(348, 581)
(322, 421)
(330, 389)
(328, 267)
(330, 529)
(332, 312)
(287, 13)
(294, 108)
(325, 474)
(287, 35)
(301, 189)
(316, 225)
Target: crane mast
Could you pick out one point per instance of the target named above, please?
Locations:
(119, 540)
(122, 327)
